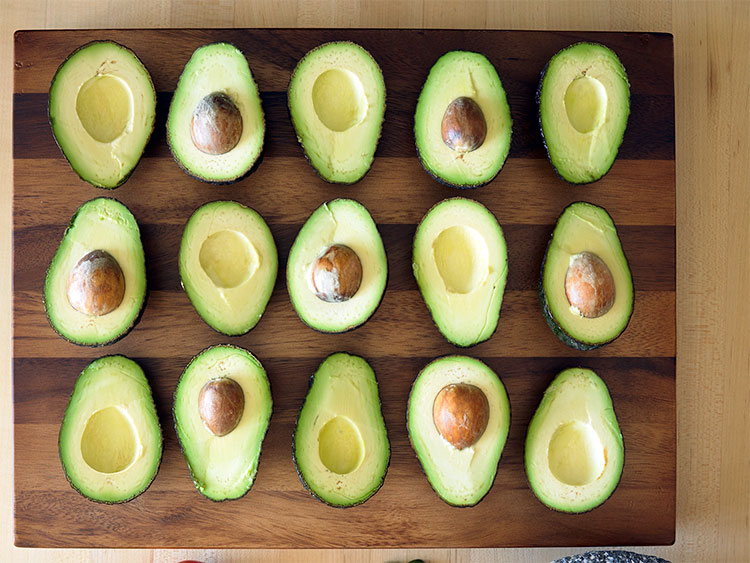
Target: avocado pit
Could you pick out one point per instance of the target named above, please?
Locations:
(464, 127)
(216, 126)
(589, 285)
(96, 285)
(221, 403)
(337, 274)
(461, 413)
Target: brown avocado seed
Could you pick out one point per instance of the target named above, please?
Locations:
(96, 284)
(337, 274)
(464, 127)
(221, 403)
(461, 413)
(589, 285)
(216, 126)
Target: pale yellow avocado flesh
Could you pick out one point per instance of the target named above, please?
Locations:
(574, 450)
(460, 477)
(460, 263)
(228, 265)
(102, 108)
(340, 444)
(110, 440)
(337, 102)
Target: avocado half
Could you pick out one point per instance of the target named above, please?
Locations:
(336, 102)
(102, 107)
(584, 104)
(100, 224)
(460, 477)
(574, 451)
(215, 80)
(340, 444)
(228, 265)
(223, 467)
(584, 227)
(110, 441)
(460, 262)
(462, 74)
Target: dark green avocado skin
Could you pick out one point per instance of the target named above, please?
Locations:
(294, 454)
(148, 138)
(541, 129)
(174, 422)
(158, 465)
(124, 332)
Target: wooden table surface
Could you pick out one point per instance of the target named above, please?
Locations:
(712, 84)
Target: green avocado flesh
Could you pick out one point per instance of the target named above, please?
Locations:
(110, 439)
(461, 264)
(222, 68)
(102, 107)
(337, 102)
(100, 224)
(223, 467)
(461, 477)
(342, 222)
(574, 451)
(228, 265)
(584, 104)
(341, 446)
(462, 74)
(583, 227)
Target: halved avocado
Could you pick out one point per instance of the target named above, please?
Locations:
(458, 419)
(340, 444)
(102, 107)
(574, 451)
(584, 104)
(95, 286)
(110, 440)
(337, 268)
(216, 127)
(228, 265)
(460, 263)
(337, 102)
(222, 406)
(585, 287)
(462, 125)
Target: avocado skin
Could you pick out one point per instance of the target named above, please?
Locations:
(408, 433)
(294, 455)
(541, 130)
(174, 420)
(294, 125)
(140, 312)
(556, 328)
(148, 138)
(432, 318)
(158, 465)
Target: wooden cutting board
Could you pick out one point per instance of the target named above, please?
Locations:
(399, 339)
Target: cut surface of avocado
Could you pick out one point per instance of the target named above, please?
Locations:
(461, 477)
(102, 107)
(102, 224)
(341, 446)
(461, 264)
(217, 68)
(574, 450)
(337, 102)
(228, 265)
(223, 466)
(583, 228)
(462, 74)
(110, 440)
(347, 223)
(584, 104)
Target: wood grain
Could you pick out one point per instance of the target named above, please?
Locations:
(399, 339)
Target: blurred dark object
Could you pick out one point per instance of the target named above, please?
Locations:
(611, 557)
